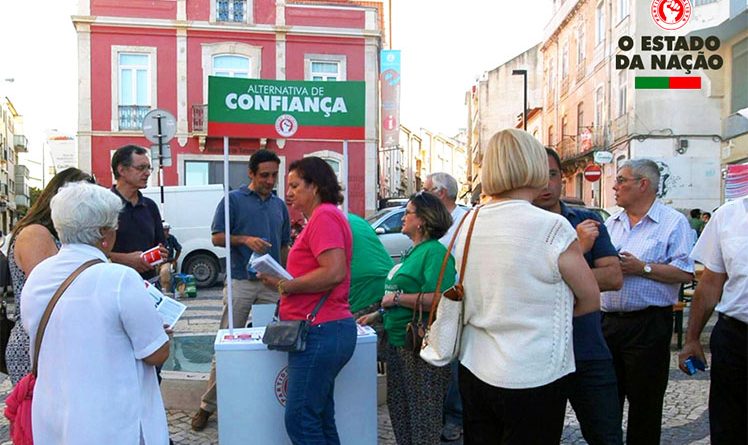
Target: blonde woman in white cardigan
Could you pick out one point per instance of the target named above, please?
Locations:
(525, 278)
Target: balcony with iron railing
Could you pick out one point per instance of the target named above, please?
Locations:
(20, 143)
(589, 139)
(564, 86)
(131, 117)
(581, 69)
(619, 128)
(200, 119)
(567, 147)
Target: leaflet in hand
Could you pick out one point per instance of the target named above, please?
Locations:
(169, 308)
(267, 264)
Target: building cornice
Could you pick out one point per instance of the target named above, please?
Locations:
(196, 25)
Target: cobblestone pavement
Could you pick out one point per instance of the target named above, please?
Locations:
(685, 416)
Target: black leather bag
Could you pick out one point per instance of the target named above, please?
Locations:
(416, 329)
(290, 335)
(6, 325)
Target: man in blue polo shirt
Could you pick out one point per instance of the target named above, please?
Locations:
(139, 227)
(594, 391)
(259, 223)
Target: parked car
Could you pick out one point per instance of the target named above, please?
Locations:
(388, 223)
(189, 210)
(576, 202)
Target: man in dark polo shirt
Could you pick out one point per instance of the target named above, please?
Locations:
(139, 227)
(594, 391)
(259, 223)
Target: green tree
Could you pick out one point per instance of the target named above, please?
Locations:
(33, 195)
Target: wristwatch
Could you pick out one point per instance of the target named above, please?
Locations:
(396, 299)
(647, 269)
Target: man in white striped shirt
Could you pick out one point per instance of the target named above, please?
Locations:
(654, 242)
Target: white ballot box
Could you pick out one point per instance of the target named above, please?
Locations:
(252, 383)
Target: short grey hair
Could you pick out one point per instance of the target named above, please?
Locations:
(80, 210)
(644, 168)
(444, 181)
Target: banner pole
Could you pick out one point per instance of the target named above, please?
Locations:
(345, 176)
(227, 231)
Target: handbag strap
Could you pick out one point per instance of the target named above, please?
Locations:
(52, 303)
(311, 316)
(466, 249)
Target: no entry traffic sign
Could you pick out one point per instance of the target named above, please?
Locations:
(593, 172)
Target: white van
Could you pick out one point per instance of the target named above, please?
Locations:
(189, 210)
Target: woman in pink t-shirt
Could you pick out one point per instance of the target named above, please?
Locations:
(320, 259)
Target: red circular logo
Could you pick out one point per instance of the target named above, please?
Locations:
(671, 14)
(281, 386)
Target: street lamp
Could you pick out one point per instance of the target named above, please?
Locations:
(523, 73)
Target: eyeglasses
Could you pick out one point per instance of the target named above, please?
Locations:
(431, 190)
(142, 168)
(622, 179)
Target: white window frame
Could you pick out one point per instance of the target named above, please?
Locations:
(623, 9)
(233, 73)
(151, 51)
(581, 50)
(599, 23)
(551, 78)
(248, 13)
(184, 158)
(599, 106)
(622, 92)
(341, 60)
(565, 60)
(210, 50)
(332, 156)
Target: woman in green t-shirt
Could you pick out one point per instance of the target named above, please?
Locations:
(415, 389)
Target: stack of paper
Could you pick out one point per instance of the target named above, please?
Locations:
(267, 264)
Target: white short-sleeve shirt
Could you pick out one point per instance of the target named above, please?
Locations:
(457, 214)
(518, 308)
(722, 248)
(92, 385)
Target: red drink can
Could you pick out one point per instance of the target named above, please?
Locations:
(153, 256)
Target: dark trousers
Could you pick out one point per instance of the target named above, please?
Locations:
(593, 393)
(310, 406)
(452, 403)
(492, 415)
(640, 344)
(728, 416)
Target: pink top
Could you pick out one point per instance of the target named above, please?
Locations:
(327, 229)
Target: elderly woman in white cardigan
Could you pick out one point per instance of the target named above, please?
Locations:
(96, 380)
(525, 277)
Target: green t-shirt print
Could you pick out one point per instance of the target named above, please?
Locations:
(418, 272)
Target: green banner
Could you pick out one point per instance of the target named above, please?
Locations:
(260, 108)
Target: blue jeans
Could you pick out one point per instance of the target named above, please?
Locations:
(593, 394)
(453, 403)
(310, 407)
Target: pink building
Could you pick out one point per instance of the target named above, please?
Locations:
(139, 55)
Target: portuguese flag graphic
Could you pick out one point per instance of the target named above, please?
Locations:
(668, 83)
(260, 108)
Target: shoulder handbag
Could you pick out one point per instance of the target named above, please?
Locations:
(6, 326)
(441, 343)
(416, 329)
(290, 335)
(18, 403)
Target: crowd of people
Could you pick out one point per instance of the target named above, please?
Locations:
(558, 305)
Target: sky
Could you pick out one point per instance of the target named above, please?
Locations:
(446, 46)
